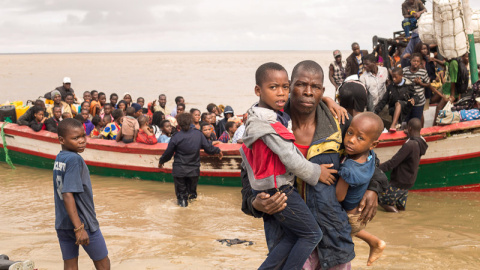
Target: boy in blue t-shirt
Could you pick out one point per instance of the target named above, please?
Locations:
(355, 174)
(75, 219)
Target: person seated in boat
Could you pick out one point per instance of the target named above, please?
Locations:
(404, 167)
(111, 129)
(213, 122)
(180, 109)
(86, 106)
(237, 137)
(98, 126)
(227, 135)
(128, 99)
(57, 101)
(207, 131)
(411, 11)
(107, 119)
(400, 97)
(96, 107)
(178, 100)
(87, 124)
(161, 106)
(87, 96)
(38, 122)
(107, 110)
(166, 132)
(141, 101)
(228, 113)
(145, 133)
(420, 79)
(355, 173)
(456, 82)
(113, 100)
(122, 105)
(76, 223)
(66, 115)
(129, 130)
(185, 148)
(69, 99)
(28, 116)
(196, 117)
(51, 123)
(94, 94)
(65, 89)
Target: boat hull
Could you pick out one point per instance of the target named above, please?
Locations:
(452, 162)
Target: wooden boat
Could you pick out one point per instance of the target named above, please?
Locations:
(452, 161)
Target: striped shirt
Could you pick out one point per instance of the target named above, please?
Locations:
(419, 90)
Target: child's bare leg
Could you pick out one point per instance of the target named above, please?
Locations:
(71, 264)
(396, 115)
(103, 264)
(376, 245)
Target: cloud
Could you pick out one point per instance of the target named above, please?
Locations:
(149, 25)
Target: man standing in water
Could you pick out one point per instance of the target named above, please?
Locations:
(319, 136)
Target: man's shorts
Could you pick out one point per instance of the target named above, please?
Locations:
(97, 249)
(394, 196)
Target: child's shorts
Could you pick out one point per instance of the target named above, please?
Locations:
(356, 225)
(394, 196)
(97, 249)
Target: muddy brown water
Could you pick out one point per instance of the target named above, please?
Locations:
(144, 229)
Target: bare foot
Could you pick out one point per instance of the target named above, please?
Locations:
(376, 252)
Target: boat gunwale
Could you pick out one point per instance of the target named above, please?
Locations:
(386, 139)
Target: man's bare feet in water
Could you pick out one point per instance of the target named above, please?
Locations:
(376, 251)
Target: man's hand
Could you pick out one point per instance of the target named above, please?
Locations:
(412, 101)
(417, 80)
(326, 175)
(368, 206)
(270, 204)
(338, 112)
(82, 238)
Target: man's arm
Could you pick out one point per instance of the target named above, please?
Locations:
(262, 203)
(80, 234)
(337, 111)
(168, 154)
(348, 68)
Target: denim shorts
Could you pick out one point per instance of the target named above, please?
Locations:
(97, 249)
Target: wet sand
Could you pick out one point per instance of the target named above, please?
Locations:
(144, 229)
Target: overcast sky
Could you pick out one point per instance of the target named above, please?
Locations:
(196, 25)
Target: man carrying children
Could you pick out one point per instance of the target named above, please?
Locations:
(318, 135)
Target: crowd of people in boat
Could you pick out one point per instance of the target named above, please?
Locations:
(129, 121)
(417, 75)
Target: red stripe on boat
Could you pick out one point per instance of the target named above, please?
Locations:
(124, 167)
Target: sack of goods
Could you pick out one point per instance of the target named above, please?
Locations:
(425, 28)
(475, 25)
(449, 25)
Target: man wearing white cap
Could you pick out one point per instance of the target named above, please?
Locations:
(64, 90)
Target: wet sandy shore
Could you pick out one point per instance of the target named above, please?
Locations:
(144, 229)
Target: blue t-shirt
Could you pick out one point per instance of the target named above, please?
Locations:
(163, 139)
(357, 175)
(71, 175)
